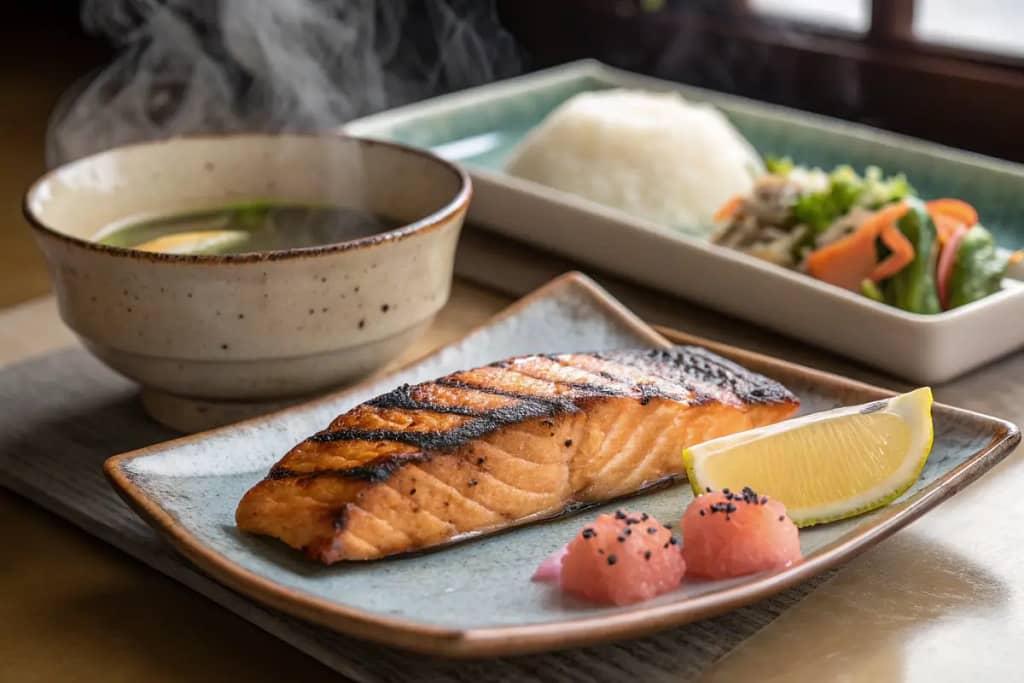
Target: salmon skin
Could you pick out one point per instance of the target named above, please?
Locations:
(528, 438)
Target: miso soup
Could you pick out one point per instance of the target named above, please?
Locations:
(246, 228)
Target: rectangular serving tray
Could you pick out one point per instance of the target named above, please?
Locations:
(480, 127)
(476, 599)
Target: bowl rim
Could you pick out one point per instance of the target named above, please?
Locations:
(458, 203)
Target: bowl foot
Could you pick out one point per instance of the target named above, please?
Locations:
(190, 415)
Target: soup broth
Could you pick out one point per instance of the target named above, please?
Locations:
(246, 228)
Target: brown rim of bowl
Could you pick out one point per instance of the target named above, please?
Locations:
(433, 220)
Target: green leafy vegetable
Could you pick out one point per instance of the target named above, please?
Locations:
(778, 165)
(913, 288)
(979, 268)
(879, 190)
(846, 190)
(820, 209)
(871, 291)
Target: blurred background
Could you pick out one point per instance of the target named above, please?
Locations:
(944, 70)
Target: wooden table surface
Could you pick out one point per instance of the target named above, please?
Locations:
(939, 601)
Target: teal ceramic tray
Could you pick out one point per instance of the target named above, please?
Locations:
(480, 127)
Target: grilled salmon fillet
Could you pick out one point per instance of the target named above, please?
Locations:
(528, 438)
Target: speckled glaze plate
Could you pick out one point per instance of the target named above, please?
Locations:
(479, 128)
(475, 598)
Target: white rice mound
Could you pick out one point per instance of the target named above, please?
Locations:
(652, 155)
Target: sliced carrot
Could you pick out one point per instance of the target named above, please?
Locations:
(902, 253)
(729, 209)
(946, 227)
(849, 261)
(954, 208)
(949, 214)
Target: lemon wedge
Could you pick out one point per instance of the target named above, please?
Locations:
(197, 242)
(826, 466)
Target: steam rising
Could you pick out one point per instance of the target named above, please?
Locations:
(190, 66)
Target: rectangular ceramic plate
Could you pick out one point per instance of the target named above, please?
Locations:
(480, 127)
(476, 598)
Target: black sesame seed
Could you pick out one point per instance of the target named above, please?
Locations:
(620, 539)
(627, 531)
(589, 533)
(612, 559)
(667, 526)
(600, 551)
(725, 491)
(647, 554)
(730, 508)
(701, 513)
(764, 500)
(632, 520)
(384, 308)
(619, 514)
(673, 541)
(472, 482)
(652, 529)
(707, 489)
(782, 517)
(644, 516)
(665, 546)
(412, 492)
(568, 442)
(481, 460)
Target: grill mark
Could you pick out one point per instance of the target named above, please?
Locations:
(647, 390)
(695, 367)
(558, 404)
(442, 440)
(401, 398)
(579, 387)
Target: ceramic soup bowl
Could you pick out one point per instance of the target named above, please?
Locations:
(217, 338)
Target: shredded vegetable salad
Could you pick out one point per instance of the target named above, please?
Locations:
(867, 233)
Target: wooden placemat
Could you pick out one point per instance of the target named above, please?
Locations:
(64, 414)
